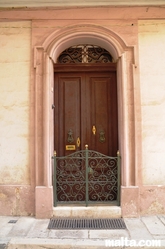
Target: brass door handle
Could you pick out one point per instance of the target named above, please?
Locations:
(78, 142)
(94, 130)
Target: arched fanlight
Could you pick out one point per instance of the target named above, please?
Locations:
(85, 54)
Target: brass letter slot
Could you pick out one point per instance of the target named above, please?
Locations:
(70, 147)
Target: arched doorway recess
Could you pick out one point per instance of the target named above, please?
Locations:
(45, 58)
(85, 114)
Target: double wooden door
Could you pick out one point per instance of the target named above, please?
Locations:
(86, 110)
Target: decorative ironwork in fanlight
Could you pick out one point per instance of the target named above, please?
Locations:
(85, 54)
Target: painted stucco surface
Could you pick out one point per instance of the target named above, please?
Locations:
(64, 3)
(26, 97)
(15, 41)
(152, 83)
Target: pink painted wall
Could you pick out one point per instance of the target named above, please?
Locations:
(133, 35)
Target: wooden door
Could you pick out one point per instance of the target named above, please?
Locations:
(86, 111)
(101, 114)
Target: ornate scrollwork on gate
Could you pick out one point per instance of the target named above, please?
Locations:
(85, 54)
(70, 178)
(86, 176)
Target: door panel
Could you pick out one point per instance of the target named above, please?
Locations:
(71, 111)
(67, 112)
(99, 109)
(102, 112)
(85, 100)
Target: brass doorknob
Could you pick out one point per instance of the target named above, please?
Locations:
(94, 130)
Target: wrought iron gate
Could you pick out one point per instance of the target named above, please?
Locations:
(86, 177)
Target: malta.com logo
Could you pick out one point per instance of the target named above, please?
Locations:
(123, 242)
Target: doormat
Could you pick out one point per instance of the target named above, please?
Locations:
(96, 224)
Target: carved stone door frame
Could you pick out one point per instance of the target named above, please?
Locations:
(128, 109)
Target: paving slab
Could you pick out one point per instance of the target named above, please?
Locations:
(21, 227)
(154, 225)
(4, 240)
(19, 243)
(5, 226)
(56, 244)
(137, 229)
(3, 246)
(39, 229)
(3, 221)
(162, 218)
(108, 234)
(159, 237)
(68, 234)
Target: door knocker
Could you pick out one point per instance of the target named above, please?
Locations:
(70, 136)
(102, 137)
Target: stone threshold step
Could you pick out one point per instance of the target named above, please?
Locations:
(87, 212)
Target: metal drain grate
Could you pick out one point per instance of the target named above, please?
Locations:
(98, 224)
(12, 221)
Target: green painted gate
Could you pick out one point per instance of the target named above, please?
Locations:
(86, 177)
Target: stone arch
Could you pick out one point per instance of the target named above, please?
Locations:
(125, 56)
(85, 33)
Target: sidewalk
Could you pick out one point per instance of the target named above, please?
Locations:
(30, 233)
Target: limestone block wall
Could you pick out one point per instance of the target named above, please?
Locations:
(15, 59)
(152, 83)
